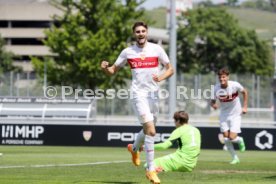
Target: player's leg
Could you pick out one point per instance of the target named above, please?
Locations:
(149, 144)
(149, 129)
(224, 128)
(137, 104)
(235, 129)
(230, 148)
(171, 162)
(142, 107)
(139, 141)
(164, 164)
(221, 140)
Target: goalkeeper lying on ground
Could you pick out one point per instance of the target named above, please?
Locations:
(188, 139)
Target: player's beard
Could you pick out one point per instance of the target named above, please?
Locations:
(141, 41)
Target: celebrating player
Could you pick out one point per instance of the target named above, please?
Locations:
(230, 115)
(143, 58)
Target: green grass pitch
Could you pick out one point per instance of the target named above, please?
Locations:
(91, 165)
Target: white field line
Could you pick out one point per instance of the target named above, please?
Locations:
(62, 165)
(125, 161)
(236, 172)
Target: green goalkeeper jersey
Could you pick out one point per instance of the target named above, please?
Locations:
(189, 142)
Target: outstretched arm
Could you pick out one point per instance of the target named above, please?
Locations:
(175, 135)
(245, 99)
(163, 145)
(109, 70)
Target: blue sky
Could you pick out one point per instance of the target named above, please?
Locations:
(149, 4)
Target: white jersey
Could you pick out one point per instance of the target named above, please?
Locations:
(229, 98)
(144, 64)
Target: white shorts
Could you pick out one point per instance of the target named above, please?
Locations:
(232, 123)
(146, 108)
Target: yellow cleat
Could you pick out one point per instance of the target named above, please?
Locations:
(152, 176)
(135, 155)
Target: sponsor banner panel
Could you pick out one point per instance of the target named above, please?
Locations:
(102, 135)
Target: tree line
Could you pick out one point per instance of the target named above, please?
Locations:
(266, 5)
(90, 31)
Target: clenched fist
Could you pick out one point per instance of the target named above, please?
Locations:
(104, 64)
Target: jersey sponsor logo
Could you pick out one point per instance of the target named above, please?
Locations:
(228, 98)
(130, 137)
(147, 62)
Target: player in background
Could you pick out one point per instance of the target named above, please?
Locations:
(143, 58)
(227, 92)
(188, 139)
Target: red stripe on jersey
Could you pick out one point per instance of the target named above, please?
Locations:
(228, 98)
(147, 62)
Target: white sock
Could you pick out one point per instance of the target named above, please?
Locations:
(230, 148)
(149, 149)
(154, 120)
(138, 141)
(237, 140)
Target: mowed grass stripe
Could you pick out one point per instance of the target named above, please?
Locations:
(213, 166)
(62, 165)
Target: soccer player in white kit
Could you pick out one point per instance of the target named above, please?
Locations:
(143, 58)
(227, 92)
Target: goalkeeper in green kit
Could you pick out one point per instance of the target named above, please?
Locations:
(188, 139)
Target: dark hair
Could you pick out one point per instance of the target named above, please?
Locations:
(136, 24)
(223, 71)
(181, 116)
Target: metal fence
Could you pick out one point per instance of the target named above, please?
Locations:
(259, 87)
